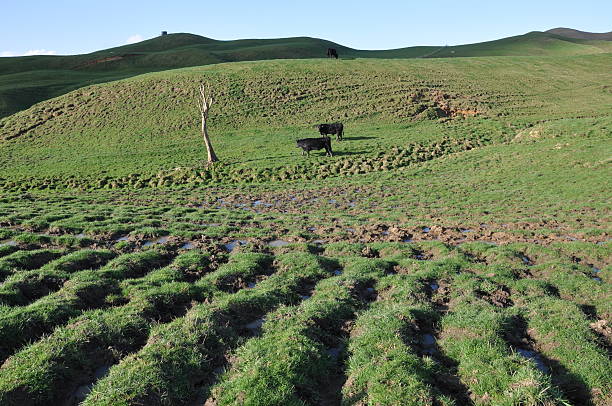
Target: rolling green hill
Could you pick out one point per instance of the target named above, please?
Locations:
(27, 80)
(455, 250)
(149, 123)
(533, 44)
(577, 34)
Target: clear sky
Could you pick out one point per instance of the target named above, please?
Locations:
(81, 26)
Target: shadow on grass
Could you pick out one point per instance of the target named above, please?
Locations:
(358, 138)
(348, 153)
(573, 386)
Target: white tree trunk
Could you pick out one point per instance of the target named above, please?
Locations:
(204, 103)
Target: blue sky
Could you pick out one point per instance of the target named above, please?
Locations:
(71, 26)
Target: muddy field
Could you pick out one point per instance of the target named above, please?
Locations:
(455, 250)
(388, 316)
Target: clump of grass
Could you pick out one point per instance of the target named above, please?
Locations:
(288, 364)
(562, 333)
(473, 335)
(7, 249)
(242, 269)
(68, 351)
(33, 239)
(384, 367)
(189, 347)
(25, 286)
(25, 260)
(84, 290)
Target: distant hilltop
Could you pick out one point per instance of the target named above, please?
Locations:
(25, 80)
(576, 34)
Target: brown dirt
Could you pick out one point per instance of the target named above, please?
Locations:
(500, 297)
(443, 101)
(603, 329)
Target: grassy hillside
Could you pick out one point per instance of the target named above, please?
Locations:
(534, 43)
(150, 124)
(27, 80)
(454, 251)
(576, 34)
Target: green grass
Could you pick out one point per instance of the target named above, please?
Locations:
(417, 265)
(28, 80)
(124, 134)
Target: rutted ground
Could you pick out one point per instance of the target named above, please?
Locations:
(455, 251)
(302, 323)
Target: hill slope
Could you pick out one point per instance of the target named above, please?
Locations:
(27, 80)
(576, 34)
(147, 124)
(533, 44)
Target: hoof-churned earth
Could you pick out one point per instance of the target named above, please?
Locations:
(455, 250)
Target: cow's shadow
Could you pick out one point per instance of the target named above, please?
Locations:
(358, 138)
(265, 158)
(347, 153)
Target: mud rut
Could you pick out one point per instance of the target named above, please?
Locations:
(417, 322)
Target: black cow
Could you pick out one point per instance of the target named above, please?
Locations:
(333, 128)
(332, 53)
(310, 144)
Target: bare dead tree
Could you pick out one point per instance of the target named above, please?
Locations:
(204, 102)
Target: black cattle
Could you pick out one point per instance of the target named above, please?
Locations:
(333, 128)
(332, 53)
(310, 144)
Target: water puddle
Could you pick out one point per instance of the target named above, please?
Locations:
(420, 257)
(319, 242)
(428, 343)
(12, 243)
(258, 203)
(595, 269)
(122, 238)
(335, 352)
(160, 240)
(426, 229)
(233, 244)
(535, 357)
(466, 230)
(187, 246)
(597, 279)
(337, 272)
(311, 229)
(434, 286)
(80, 235)
(407, 240)
(83, 391)
(278, 243)
(526, 260)
(255, 326)
(251, 285)
(305, 297)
